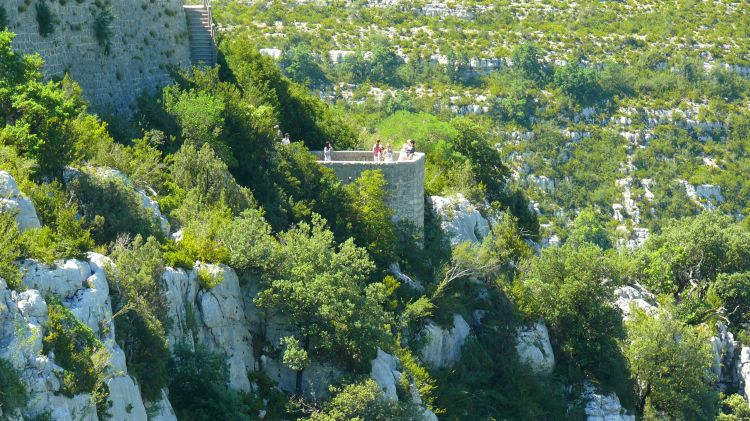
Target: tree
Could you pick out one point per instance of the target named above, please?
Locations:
(691, 252)
(732, 292)
(578, 82)
(371, 221)
(140, 312)
(588, 228)
(321, 290)
(198, 387)
(568, 287)
(37, 115)
(300, 65)
(528, 60)
(364, 401)
(671, 365)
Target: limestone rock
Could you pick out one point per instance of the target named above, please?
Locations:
(162, 410)
(385, 373)
(725, 350)
(443, 346)
(601, 407)
(635, 295)
(216, 317)
(63, 280)
(459, 219)
(11, 200)
(315, 378)
(534, 348)
(126, 399)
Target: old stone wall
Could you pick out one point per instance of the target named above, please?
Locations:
(147, 39)
(405, 180)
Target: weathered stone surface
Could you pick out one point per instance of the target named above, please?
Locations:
(216, 317)
(405, 180)
(534, 348)
(385, 373)
(148, 38)
(443, 346)
(12, 200)
(601, 407)
(64, 279)
(459, 219)
(634, 295)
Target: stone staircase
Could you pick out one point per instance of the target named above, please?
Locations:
(201, 32)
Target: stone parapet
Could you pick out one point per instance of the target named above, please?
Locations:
(405, 180)
(147, 40)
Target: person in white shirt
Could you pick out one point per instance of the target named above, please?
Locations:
(286, 140)
(388, 153)
(327, 149)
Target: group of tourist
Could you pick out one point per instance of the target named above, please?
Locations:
(385, 154)
(379, 153)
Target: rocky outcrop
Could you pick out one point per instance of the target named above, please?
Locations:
(212, 317)
(385, 372)
(443, 346)
(12, 200)
(534, 348)
(112, 174)
(459, 219)
(82, 287)
(603, 407)
(637, 296)
(726, 364)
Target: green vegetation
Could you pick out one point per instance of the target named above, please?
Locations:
(198, 387)
(13, 394)
(363, 401)
(140, 312)
(576, 109)
(78, 352)
(45, 18)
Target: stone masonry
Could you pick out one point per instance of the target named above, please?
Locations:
(148, 39)
(405, 180)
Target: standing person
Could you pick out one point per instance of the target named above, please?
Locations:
(402, 155)
(388, 153)
(286, 140)
(377, 151)
(327, 149)
(410, 150)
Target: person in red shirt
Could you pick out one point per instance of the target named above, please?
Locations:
(377, 151)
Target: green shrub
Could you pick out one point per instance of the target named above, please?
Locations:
(141, 312)
(208, 279)
(250, 243)
(3, 18)
(198, 388)
(63, 234)
(10, 250)
(76, 348)
(13, 394)
(103, 28)
(364, 401)
(45, 19)
(112, 208)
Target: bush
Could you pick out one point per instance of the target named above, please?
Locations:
(364, 401)
(63, 232)
(77, 350)
(3, 18)
(13, 394)
(103, 28)
(250, 243)
(198, 388)
(140, 311)
(45, 19)
(112, 208)
(10, 250)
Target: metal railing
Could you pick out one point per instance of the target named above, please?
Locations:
(207, 5)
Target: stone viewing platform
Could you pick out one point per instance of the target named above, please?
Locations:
(405, 180)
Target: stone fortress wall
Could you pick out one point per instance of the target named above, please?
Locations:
(405, 180)
(148, 38)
